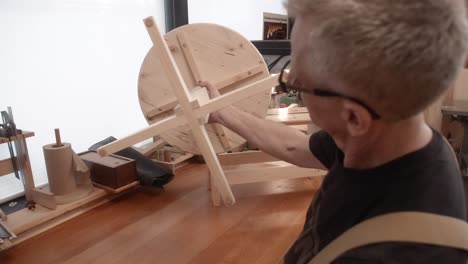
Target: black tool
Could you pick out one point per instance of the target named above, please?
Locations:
(8, 129)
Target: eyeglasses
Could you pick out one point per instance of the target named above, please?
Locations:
(322, 93)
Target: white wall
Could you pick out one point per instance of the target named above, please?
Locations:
(243, 16)
(73, 65)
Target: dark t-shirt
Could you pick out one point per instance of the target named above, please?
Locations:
(427, 180)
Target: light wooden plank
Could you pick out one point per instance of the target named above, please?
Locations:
(289, 116)
(151, 131)
(201, 97)
(26, 134)
(188, 54)
(171, 69)
(152, 147)
(183, 158)
(237, 95)
(269, 171)
(178, 163)
(221, 135)
(175, 150)
(291, 119)
(197, 75)
(244, 157)
(254, 71)
(184, 98)
(6, 167)
(182, 161)
(5, 244)
(294, 110)
(44, 198)
(162, 109)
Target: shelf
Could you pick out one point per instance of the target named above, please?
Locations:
(26, 134)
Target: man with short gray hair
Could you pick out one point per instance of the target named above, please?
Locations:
(366, 70)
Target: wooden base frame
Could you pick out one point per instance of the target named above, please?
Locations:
(257, 166)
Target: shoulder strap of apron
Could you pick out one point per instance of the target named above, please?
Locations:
(414, 227)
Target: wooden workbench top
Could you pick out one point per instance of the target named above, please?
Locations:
(179, 225)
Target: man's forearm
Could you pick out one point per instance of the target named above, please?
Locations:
(273, 138)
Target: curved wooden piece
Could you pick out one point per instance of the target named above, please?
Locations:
(202, 52)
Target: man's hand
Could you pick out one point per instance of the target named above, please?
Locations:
(212, 90)
(276, 139)
(215, 117)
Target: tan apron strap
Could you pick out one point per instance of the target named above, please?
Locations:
(413, 227)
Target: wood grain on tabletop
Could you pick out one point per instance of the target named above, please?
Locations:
(179, 225)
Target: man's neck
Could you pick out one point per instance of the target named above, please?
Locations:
(386, 143)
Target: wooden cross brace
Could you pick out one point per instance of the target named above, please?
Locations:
(192, 111)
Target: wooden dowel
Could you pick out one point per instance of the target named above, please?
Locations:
(58, 140)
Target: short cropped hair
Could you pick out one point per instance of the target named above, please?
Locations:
(398, 56)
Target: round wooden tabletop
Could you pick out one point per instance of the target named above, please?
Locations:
(203, 52)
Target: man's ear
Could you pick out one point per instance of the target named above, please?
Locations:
(357, 118)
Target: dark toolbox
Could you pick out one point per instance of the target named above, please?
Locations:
(112, 171)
